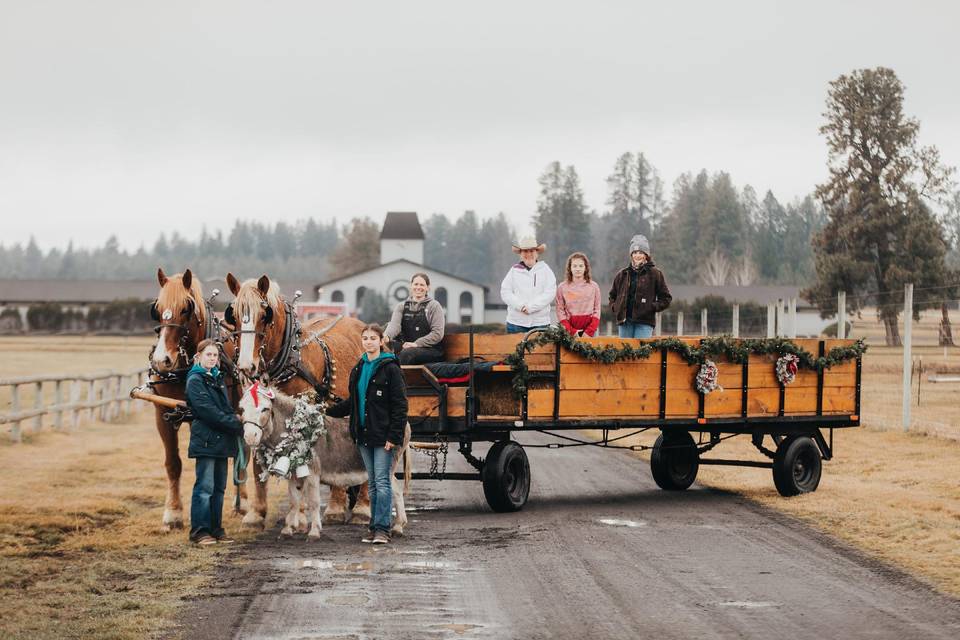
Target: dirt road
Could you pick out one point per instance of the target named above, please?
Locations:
(598, 552)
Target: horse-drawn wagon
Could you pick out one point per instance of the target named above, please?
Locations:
(793, 392)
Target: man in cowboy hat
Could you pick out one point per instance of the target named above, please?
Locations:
(528, 288)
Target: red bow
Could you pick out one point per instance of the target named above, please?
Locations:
(254, 391)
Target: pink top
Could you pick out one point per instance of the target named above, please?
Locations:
(577, 299)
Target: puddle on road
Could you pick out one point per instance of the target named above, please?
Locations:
(748, 604)
(429, 564)
(617, 522)
(352, 567)
(458, 629)
(424, 507)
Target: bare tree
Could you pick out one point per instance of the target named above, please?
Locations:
(715, 269)
(744, 273)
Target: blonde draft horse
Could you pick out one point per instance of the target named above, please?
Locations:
(259, 314)
(181, 317)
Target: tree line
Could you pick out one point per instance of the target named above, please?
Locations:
(889, 214)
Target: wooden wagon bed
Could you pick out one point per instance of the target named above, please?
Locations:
(561, 389)
(573, 388)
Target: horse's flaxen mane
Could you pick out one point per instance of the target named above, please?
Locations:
(174, 296)
(249, 299)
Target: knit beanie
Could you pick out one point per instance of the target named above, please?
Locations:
(639, 242)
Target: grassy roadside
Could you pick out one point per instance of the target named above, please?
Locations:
(82, 554)
(81, 551)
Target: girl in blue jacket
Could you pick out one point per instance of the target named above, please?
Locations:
(214, 434)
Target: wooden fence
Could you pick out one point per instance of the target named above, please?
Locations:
(67, 399)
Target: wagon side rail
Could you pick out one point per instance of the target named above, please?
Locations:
(68, 400)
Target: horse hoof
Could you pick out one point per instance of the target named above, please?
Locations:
(397, 531)
(314, 534)
(286, 532)
(334, 518)
(360, 518)
(172, 519)
(252, 521)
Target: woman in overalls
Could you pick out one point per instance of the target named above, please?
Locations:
(416, 327)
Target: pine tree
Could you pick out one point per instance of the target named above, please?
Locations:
(880, 234)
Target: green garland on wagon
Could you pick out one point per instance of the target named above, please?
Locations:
(734, 350)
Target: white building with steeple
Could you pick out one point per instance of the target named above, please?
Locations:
(401, 255)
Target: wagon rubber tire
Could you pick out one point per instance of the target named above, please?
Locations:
(674, 461)
(797, 466)
(506, 476)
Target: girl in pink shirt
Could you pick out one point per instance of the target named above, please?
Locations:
(578, 298)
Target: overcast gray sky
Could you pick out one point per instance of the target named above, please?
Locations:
(131, 117)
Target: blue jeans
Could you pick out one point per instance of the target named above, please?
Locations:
(516, 328)
(378, 462)
(634, 330)
(206, 507)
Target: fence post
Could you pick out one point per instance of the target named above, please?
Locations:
(38, 404)
(703, 322)
(15, 432)
(907, 344)
(58, 400)
(679, 323)
(793, 317)
(127, 400)
(735, 328)
(842, 315)
(75, 412)
(115, 395)
(91, 398)
(771, 321)
(658, 326)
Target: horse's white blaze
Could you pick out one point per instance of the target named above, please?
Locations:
(245, 361)
(160, 352)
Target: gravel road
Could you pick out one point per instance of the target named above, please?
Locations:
(598, 552)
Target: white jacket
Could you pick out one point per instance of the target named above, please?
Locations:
(536, 288)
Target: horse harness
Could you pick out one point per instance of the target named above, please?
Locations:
(178, 376)
(288, 363)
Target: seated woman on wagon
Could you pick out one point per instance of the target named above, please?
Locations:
(578, 298)
(416, 327)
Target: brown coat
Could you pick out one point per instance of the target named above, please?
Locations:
(651, 296)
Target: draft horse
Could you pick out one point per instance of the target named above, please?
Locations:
(274, 346)
(184, 319)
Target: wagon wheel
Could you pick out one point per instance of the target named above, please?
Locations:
(506, 476)
(674, 460)
(797, 466)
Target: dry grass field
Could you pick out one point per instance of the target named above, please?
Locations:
(81, 554)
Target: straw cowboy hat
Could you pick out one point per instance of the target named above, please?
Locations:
(528, 242)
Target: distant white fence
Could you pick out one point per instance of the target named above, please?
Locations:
(74, 398)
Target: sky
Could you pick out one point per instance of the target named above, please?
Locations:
(133, 117)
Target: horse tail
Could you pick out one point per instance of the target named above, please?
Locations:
(407, 466)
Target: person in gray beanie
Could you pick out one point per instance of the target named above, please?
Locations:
(639, 292)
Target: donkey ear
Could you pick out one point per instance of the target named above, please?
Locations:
(161, 276)
(263, 284)
(187, 279)
(233, 284)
